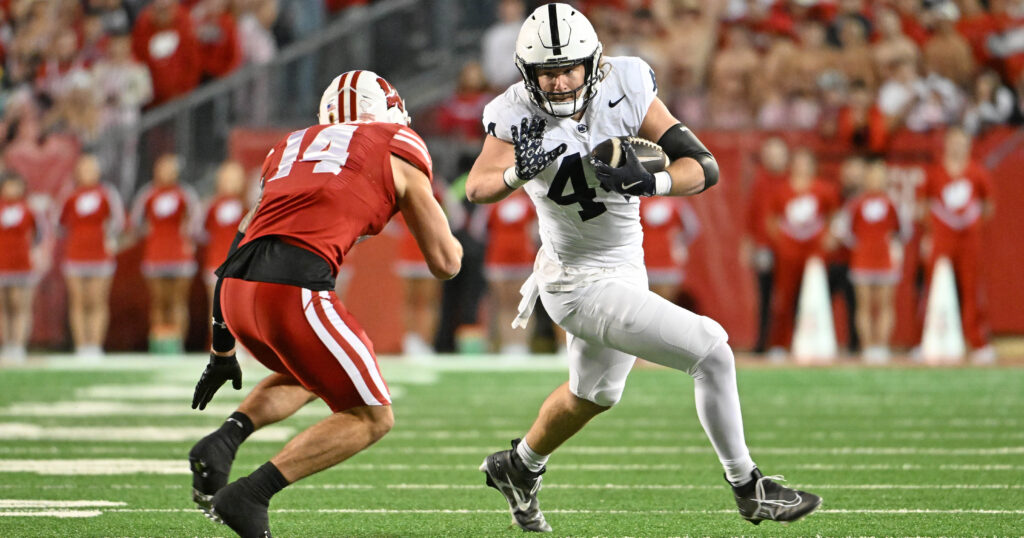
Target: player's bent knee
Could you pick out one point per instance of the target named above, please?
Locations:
(599, 400)
(719, 359)
(377, 419)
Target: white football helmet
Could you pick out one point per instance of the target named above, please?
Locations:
(557, 35)
(361, 96)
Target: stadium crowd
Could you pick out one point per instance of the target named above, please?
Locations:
(852, 72)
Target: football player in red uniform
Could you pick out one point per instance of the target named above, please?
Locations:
(956, 199)
(92, 217)
(21, 231)
(166, 212)
(323, 188)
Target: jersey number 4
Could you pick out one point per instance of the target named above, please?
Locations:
(571, 170)
(329, 150)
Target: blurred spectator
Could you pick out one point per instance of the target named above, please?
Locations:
(732, 73)
(58, 66)
(21, 232)
(855, 58)
(956, 199)
(459, 116)
(643, 39)
(1007, 46)
(973, 22)
(498, 40)
(113, 16)
(838, 255)
(77, 111)
(812, 58)
(422, 294)
(670, 226)
(798, 220)
(892, 45)
(510, 228)
(757, 249)
(220, 52)
(165, 212)
(990, 104)
(871, 229)
(913, 20)
(164, 40)
(91, 218)
(849, 11)
(255, 21)
(861, 125)
(918, 103)
(124, 87)
(223, 214)
(948, 54)
(93, 40)
(44, 160)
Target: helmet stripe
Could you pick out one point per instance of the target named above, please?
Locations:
(341, 93)
(352, 104)
(553, 21)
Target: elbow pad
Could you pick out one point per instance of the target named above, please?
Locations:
(679, 141)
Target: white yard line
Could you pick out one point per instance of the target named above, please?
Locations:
(39, 503)
(96, 467)
(895, 511)
(705, 449)
(52, 513)
(15, 431)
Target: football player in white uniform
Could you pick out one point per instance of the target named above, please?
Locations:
(589, 272)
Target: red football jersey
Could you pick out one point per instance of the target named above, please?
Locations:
(19, 230)
(668, 224)
(221, 225)
(955, 204)
(327, 185)
(803, 216)
(873, 222)
(89, 216)
(509, 232)
(168, 214)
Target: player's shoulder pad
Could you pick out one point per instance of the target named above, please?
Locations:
(408, 144)
(629, 74)
(506, 110)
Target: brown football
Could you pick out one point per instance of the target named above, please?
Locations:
(651, 156)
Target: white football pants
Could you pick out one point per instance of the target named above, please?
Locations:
(614, 320)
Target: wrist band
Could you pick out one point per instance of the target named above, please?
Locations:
(512, 181)
(662, 183)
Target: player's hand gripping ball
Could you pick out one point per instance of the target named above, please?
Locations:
(627, 164)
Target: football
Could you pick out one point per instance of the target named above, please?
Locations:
(651, 156)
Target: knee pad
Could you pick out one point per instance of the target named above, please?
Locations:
(602, 394)
(719, 359)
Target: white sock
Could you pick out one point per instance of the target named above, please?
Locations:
(718, 408)
(532, 460)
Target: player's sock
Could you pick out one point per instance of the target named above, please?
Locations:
(532, 460)
(718, 407)
(267, 480)
(236, 429)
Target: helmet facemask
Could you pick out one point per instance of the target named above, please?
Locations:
(554, 103)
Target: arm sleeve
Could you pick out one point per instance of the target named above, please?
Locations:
(221, 338)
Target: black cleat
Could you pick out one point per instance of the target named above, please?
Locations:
(238, 506)
(210, 460)
(764, 499)
(519, 485)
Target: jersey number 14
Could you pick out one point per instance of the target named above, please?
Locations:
(329, 150)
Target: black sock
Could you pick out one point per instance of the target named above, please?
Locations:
(236, 429)
(267, 480)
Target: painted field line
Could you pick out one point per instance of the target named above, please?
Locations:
(96, 467)
(99, 408)
(38, 503)
(368, 511)
(704, 449)
(14, 431)
(52, 513)
(685, 487)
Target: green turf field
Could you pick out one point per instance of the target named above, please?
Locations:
(101, 451)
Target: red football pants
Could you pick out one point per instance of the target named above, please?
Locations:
(964, 252)
(308, 335)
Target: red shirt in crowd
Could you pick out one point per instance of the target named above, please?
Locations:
(761, 194)
(167, 214)
(89, 216)
(20, 228)
(221, 225)
(171, 52)
(509, 231)
(669, 223)
(955, 203)
(354, 190)
(802, 217)
(461, 115)
(866, 132)
(219, 50)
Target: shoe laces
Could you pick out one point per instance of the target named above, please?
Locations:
(759, 494)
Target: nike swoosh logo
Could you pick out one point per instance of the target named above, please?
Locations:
(631, 185)
(521, 503)
(611, 104)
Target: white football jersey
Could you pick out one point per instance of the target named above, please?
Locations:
(581, 223)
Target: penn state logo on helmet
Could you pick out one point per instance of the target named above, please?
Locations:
(361, 96)
(559, 36)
